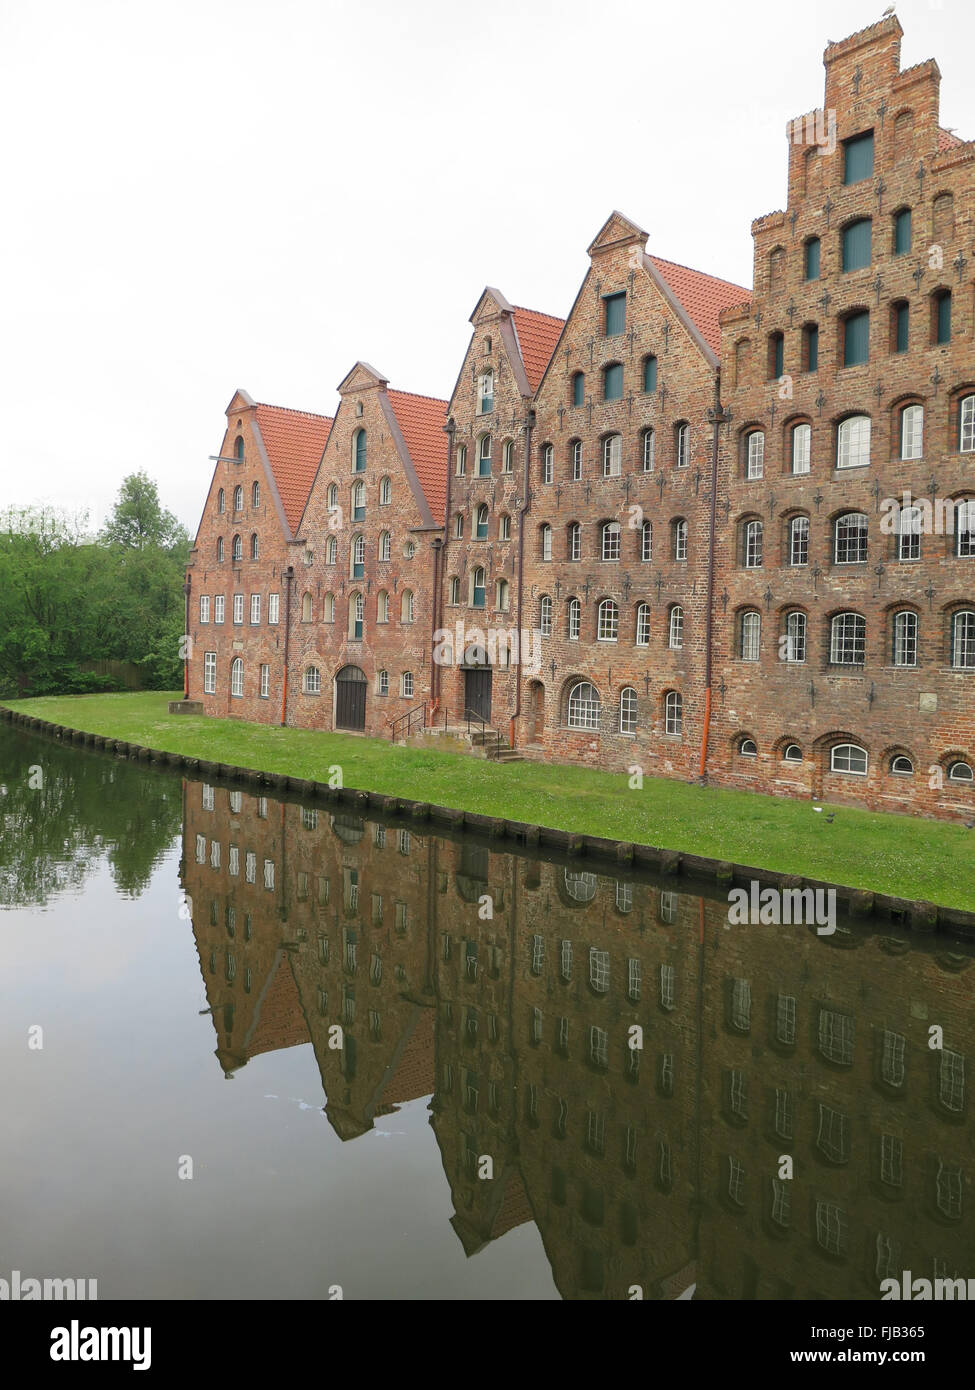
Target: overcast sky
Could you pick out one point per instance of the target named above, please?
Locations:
(211, 195)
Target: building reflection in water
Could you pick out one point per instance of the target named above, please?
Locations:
(506, 987)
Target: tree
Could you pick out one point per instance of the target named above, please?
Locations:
(139, 520)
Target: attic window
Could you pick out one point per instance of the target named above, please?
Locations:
(487, 347)
(358, 409)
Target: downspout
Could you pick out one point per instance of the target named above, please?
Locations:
(186, 638)
(288, 576)
(449, 429)
(434, 666)
(522, 513)
(718, 417)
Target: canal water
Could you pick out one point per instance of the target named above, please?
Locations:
(251, 1049)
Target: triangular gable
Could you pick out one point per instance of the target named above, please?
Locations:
(617, 230)
(699, 297)
(362, 377)
(418, 424)
(294, 441)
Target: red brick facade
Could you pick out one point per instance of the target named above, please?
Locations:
(686, 492)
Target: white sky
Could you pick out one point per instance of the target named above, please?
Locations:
(211, 195)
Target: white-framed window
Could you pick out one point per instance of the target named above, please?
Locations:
(675, 635)
(965, 529)
(574, 549)
(484, 456)
(674, 713)
(785, 1019)
(853, 442)
(608, 624)
(545, 541)
(963, 640)
(548, 463)
(668, 987)
(504, 528)
(848, 639)
(209, 673)
(328, 608)
(269, 874)
(905, 638)
(406, 684)
(238, 498)
(680, 540)
(584, 706)
(382, 603)
(237, 676)
(574, 619)
(218, 608)
(407, 607)
(628, 710)
(201, 849)
(801, 448)
(265, 681)
(204, 608)
(236, 549)
(966, 424)
(485, 393)
(892, 1068)
(912, 432)
(643, 625)
(756, 455)
(255, 608)
(837, 1033)
(461, 465)
(545, 615)
(382, 683)
(331, 551)
(799, 540)
(507, 456)
(501, 595)
(849, 758)
(599, 970)
(751, 636)
(273, 608)
(385, 545)
(609, 540)
(312, 681)
(612, 455)
(754, 544)
(682, 450)
(207, 797)
(649, 445)
(575, 460)
(850, 543)
(454, 591)
(238, 608)
(831, 1227)
(794, 647)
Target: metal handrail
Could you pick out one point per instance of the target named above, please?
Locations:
(415, 716)
(485, 728)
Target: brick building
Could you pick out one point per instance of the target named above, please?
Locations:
(739, 526)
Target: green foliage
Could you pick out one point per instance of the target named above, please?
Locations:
(72, 600)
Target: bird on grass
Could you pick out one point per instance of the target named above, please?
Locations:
(830, 818)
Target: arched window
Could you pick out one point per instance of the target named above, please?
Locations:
(545, 615)
(673, 713)
(382, 683)
(751, 636)
(799, 540)
(848, 639)
(748, 748)
(608, 625)
(239, 449)
(609, 540)
(237, 676)
(461, 460)
(385, 492)
(849, 758)
(548, 463)
(254, 545)
(648, 439)
(407, 608)
(855, 244)
(682, 444)
(909, 533)
(963, 641)
(238, 498)
(482, 522)
(359, 502)
(484, 456)
(646, 542)
(478, 588)
(220, 547)
(545, 541)
(612, 455)
(793, 646)
(501, 595)
(850, 533)
(255, 494)
(792, 753)
(574, 541)
(504, 527)
(359, 451)
(912, 432)
(675, 628)
(221, 501)
(312, 681)
(753, 534)
(902, 766)
(575, 460)
(573, 619)
(755, 454)
(649, 375)
(960, 772)
(358, 556)
(306, 608)
(357, 617)
(578, 388)
(584, 706)
(332, 497)
(454, 595)
(237, 548)
(966, 424)
(385, 545)
(458, 525)
(643, 625)
(965, 529)
(331, 551)
(628, 710)
(485, 392)
(507, 456)
(328, 608)
(853, 442)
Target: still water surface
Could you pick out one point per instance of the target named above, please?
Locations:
(401, 1063)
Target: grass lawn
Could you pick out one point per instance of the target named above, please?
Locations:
(908, 857)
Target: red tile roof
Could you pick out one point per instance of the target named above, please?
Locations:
(295, 442)
(422, 420)
(946, 140)
(702, 296)
(537, 335)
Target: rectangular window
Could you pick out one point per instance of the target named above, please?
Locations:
(255, 608)
(250, 867)
(204, 608)
(858, 158)
(943, 325)
(902, 320)
(902, 232)
(856, 340)
(615, 314)
(265, 682)
(209, 673)
(613, 382)
(857, 244)
(408, 684)
(812, 259)
(269, 873)
(238, 608)
(273, 607)
(801, 447)
(218, 603)
(811, 336)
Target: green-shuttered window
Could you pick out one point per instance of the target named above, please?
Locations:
(615, 314)
(943, 317)
(902, 321)
(811, 343)
(856, 244)
(858, 158)
(650, 375)
(812, 258)
(856, 339)
(902, 232)
(613, 382)
(776, 354)
(578, 388)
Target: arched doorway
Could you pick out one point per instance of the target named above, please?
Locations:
(350, 698)
(536, 711)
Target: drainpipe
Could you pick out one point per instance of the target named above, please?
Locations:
(450, 430)
(186, 638)
(437, 598)
(718, 417)
(522, 513)
(288, 576)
